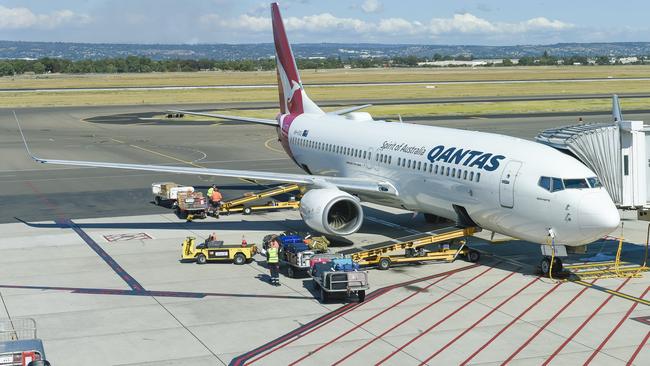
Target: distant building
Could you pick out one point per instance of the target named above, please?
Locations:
(471, 63)
(628, 60)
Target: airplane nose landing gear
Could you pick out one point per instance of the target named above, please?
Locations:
(551, 264)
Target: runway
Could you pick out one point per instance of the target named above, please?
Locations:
(130, 302)
(320, 85)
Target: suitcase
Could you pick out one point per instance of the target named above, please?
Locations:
(347, 267)
(342, 261)
(313, 261)
(296, 247)
(319, 268)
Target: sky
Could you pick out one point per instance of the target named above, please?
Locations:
(481, 22)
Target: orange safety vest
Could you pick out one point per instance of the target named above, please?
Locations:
(216, 196)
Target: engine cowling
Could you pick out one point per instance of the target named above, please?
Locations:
(331, 211)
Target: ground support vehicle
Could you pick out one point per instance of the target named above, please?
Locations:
(166, 193)
(191, 205)
(330, 282)
(245, 204)
(437, 245)
(216, 251)
(18, 343)
(296, 251)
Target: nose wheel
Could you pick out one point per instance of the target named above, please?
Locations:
(545, 266)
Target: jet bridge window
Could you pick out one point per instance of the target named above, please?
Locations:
(594, 182)
(575, 183)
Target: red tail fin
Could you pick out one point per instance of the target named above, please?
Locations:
(293, 98)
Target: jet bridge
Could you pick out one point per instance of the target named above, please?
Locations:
(615, 151)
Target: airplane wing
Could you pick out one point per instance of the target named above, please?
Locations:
(263, 121)
(352, 184)
(349, 109)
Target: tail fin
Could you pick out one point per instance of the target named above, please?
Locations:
(293, 98)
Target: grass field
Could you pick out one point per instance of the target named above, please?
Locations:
(391, 112)
(329, 93)
(324, 76)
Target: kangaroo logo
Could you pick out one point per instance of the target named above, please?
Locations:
(295, 87)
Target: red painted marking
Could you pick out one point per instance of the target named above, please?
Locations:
(412, 316)
(566, 341)
(638, 349)
(529, 308)
(467, 330)
(297, 333)
(618, 325)
(546, 324)
(370, 319)
(443, 319)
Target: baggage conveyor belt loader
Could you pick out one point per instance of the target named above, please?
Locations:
(417, 248)
(244, 204)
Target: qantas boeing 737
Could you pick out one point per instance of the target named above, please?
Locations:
(503, 184)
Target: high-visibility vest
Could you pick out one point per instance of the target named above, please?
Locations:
(272, 255)
(210, 190)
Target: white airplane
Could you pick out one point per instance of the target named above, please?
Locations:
(504, 184)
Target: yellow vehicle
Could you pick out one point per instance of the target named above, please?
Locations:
(216, 250)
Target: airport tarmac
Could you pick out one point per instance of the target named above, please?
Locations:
(128, 301)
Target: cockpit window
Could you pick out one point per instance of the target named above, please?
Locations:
(594, 182)
(575, 183)
(556, 185)
(545, 182)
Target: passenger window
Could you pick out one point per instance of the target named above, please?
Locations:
(364, 154)
(556, 185)
(545, 182)
(409, 163)
(458, 175)
(389, 159)
(399, 161)
(447, 171)
(419, 165)
(453, 172)
(471, 176)
(465, 174)
(424, 167)
(478, 177)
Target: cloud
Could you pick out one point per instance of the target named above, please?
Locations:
(23, 18)
(372, 6)
(243, 22)
(327, 22)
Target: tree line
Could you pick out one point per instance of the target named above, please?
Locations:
(135, 64)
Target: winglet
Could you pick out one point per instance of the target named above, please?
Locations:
(616, 109)
(25, 141)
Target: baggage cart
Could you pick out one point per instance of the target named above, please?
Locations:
(329, 282)
(191, 205)
(166, 193)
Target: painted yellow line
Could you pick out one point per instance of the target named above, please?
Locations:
(268, 146)
(612, 292)
(168, 156)
(177, 159)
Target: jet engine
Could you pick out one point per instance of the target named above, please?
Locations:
(331, 211)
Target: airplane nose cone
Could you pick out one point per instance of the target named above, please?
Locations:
(597, 215)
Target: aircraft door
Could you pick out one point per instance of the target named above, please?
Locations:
(507, 184)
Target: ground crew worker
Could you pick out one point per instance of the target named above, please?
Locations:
(273, 260)
(216, 197)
